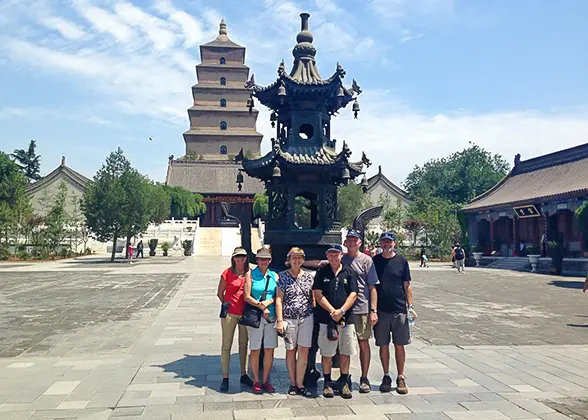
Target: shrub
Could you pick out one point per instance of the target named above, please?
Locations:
(187, 245)
(4, 254)
(88, 251)
(23, 255)
(165, 246)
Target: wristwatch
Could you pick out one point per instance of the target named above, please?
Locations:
(373, 310)
(410, 307)
(342, 311)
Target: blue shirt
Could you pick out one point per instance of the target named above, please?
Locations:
(258, 282)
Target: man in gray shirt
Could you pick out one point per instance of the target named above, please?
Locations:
(366, 304)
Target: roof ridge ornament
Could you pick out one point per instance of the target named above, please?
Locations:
(222, 30)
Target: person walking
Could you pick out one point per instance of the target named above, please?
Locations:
(130, 252)
(335, 291)
(394, 303)
(260, 292)
(460, 258)
(295, 320)
(423, 257)
(140, 249)
(365, 308)
(231, 294)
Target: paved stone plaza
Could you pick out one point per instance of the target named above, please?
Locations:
(86, 340)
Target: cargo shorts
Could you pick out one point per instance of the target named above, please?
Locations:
(393, 325)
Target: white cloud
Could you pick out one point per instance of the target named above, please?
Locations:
(106, 22)
(191, 27)
(154, 28)
(66, 28)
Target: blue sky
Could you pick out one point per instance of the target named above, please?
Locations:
(83, 77)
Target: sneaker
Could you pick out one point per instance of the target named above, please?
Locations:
(224, 385)
(401, 387)
(364, 386)
(268, 387)
(386, 385)
(328, 391)
(257, 388)
(346, 391)
(246, 380)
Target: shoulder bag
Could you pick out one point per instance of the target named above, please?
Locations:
(251, 314)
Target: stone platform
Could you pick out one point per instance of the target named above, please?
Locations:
(101, 341)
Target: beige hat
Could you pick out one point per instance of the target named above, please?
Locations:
(239, 252)
(263, 253)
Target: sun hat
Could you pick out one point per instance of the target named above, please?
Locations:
(263, 253)
(239, 252)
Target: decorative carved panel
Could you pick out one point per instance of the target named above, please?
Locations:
(331, 204)
(279, 204)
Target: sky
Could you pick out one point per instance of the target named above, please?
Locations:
(84, 77)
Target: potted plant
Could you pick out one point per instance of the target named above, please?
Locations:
(165, 247)
(582, 216)
(478, 252)
(556, 251)
(533, 254)
(152, 246)
(187, 245)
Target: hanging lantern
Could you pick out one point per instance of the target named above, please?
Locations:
(364, 184)
(277, 173)
(250, 103)
(239, 180)
(355, 108)
(273, 119)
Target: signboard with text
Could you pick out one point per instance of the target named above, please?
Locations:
(526, 211)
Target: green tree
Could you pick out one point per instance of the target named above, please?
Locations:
(160, 204)
(439, 221)
(394, 216)
(109, 202)
(29, 161)
(260, 205)
(13, 200)
(78, 229)
(138, 205)
(351, 201)
(457, 178)
(56, 220)
(185, 203)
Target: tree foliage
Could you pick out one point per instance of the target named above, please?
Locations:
(29, 161)
(14, 205)
(582, 216)
(351, 201)
(161, 204)
(185, 203)
(260, 205)
(458, 178)
(56, 220)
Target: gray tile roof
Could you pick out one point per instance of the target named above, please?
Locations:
(569, 179)
(206, 177)
(308, 155)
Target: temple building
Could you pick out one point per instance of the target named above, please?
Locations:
(221, 124)
(537, 196)
(380, 190)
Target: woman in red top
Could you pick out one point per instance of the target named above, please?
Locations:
(231, 294)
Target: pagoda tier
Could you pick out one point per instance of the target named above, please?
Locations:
(304, 83)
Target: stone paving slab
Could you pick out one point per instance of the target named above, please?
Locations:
(170, 369)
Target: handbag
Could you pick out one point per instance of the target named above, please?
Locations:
(252, 315)
(224, 309)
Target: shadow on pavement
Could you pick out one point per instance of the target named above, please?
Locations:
(567, 284)
(578, 325)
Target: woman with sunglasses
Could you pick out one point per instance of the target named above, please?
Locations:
(294, 305)
(260, 291)
(231, 294)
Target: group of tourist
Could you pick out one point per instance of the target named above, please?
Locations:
(350, 295)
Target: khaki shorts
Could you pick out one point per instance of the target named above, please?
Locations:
(363, 328)
(266, 332)
(299, 332)
(347, 342)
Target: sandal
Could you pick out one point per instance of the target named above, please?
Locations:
(305, 392)
(292, 390)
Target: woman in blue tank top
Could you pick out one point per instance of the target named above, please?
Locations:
(255, 286)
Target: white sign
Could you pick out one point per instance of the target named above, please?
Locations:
(502, 214)
(562, 206)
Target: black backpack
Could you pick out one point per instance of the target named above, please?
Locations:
(459, 254)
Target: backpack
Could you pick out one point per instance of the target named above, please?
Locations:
(459, 254)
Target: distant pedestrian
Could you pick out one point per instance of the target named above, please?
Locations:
(140, 249)
(424, 258)
(130, 253)
(459, 258)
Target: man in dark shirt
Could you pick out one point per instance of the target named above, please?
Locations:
(394, 304)
(335, 290)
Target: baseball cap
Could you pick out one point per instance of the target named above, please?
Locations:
(263, 253)
(239, 252)
(335, 247)
(387, 235)
(353, 234)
